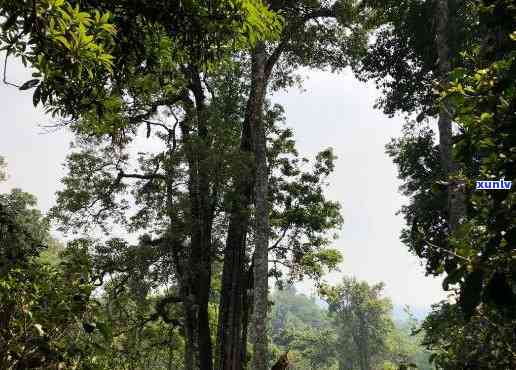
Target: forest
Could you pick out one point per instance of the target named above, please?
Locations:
(188, 216)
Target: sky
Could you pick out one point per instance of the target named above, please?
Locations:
(332, 110)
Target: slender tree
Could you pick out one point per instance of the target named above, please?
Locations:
(363, 320)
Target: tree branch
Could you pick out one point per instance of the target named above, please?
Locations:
(275, 245)
(152, 109)
(152, 176)
(5, 71)
(287, 34)
(436, 247)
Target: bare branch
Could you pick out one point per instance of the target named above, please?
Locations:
(151, 176)
(275, 245)
(159, 124)
(5, 71)
(436, 247)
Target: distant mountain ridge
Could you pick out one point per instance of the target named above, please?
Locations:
(399, 313)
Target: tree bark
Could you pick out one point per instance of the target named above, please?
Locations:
(197, 274)
(456, 196)
(232, 335)
(247, 309)
(260, 258)
(229, 346)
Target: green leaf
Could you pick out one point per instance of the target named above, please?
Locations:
(105, 330)
(64, 41)
(36, 97)
(29, 84)
(486, 117)
(457, 74)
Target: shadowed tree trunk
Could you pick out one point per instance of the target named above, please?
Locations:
(456, 196)
(260, 258)
(233, 287)
(196, 279)
(246, 311)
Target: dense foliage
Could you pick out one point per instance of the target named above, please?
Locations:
(477, 257)
(323, 335)
(42, 304)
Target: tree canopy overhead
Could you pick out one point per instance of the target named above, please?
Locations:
(81, 49)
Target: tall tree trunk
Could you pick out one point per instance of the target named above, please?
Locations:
(456, 196)
(180, 261)
(191, 334)
(232, 335)
(247, 309)
(260, 258)
(232, 314)
(229, 346)
(200, 257)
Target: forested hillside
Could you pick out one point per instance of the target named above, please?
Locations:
(320, 338)
(187, 214)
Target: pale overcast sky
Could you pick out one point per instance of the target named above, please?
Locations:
(334, 110)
